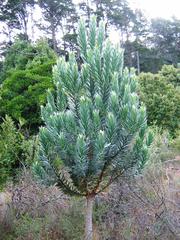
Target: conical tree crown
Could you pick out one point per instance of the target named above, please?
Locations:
(95, 128)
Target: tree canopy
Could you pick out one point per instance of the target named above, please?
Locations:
(95, 128)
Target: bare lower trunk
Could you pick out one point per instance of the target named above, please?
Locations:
(54, 41)
(88, 218)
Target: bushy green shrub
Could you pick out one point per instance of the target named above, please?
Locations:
(22, 54)
(15, 150)
(171, 74)
(26, 74)
(162, 100)
(23, 92)
(43, 54)
(16, 57)
(10, 149)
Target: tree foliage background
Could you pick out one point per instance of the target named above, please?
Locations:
(156, 41)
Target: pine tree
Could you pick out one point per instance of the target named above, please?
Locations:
(95, 128)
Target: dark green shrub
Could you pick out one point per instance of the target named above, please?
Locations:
(162, 100)
(23, 92)
(22, 54)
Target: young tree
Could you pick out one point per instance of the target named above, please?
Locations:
(95, 128)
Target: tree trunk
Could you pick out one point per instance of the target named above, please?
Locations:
(54, 40)
(88, 218)
(24, 17)
(25, 29)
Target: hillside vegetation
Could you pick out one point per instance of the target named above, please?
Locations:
(89, 129)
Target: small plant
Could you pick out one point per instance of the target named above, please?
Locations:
(10, 149)
(15, 150)
(176, 142)
(95, 128)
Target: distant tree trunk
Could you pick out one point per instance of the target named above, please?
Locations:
(25, 29)
(32, 26)
(138, 63)
(88, 218)
(54, 39)
(53, 34)
(24, 17)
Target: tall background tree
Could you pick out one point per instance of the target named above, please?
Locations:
(148, 44)
(15, 15)
(54, 13)
(166, 39)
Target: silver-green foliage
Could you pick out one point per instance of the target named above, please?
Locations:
(95, 128)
